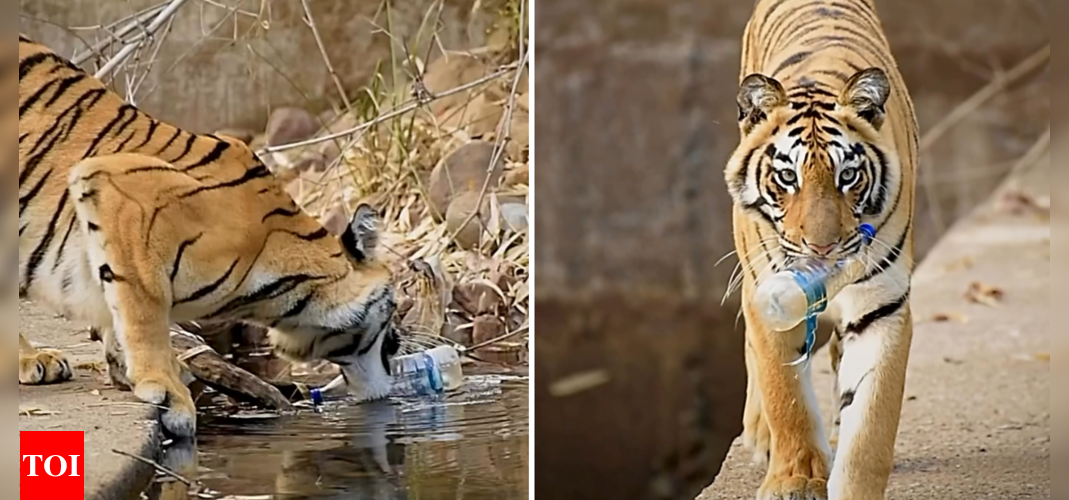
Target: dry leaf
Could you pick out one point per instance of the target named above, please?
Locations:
(961, 264)
(35, 411)
(582, 382)
(950, 317)
(987, 295)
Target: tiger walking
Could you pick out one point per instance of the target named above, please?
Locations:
(131, 225)
(828, 142)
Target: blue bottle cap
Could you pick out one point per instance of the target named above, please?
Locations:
(868, 232)
(317, 397)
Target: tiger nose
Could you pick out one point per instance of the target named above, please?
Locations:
(822, 250)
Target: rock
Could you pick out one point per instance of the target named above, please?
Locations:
(449, 72)
(516, 216)
(479, 118)
(459, 211)
(463, 171)
(487, 328)
(289, 125)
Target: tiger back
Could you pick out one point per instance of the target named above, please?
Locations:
(828, 142)
(131, 224)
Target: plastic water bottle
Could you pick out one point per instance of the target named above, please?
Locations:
(804, 289)
(425, 373)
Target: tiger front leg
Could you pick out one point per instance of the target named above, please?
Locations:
(799, 455)
(137, 293)
(872, 372)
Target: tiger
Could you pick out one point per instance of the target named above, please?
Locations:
(828, 142)
(131, 225)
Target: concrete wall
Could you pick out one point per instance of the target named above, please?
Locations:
(635, 119)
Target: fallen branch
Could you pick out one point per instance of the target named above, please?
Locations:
(209, 367)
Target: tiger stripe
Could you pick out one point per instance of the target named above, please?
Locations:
(129, 223)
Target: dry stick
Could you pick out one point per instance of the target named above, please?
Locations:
(326, 59)
(985, 94)
(161, 469)
(137, 21)
(499, 148)
(406, 108)
(129, 49)
(502, 338)
(1033, 155)
(966, 108)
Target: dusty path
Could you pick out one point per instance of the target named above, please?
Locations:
(109, 418)
(976, 424)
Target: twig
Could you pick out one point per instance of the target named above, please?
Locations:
(326, 59)
(502, 338)
(162, 18)
(410, 106)
(504, 136)
(966, 108)
(159, 468)
(983, 95)
(135, 21)
(1034, 154)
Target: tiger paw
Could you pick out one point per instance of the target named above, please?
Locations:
(803, 476)
(179, 416)
(793, 488)
(46, 366)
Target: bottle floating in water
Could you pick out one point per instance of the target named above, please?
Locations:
(804, 289)
(425, 373)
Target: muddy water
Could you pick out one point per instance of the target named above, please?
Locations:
(471, 445)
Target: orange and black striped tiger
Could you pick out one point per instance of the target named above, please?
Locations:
(828, 142)
(131, 224)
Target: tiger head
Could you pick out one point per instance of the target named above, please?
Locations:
(814, 165)
(347, 319)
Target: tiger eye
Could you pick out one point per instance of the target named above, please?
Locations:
(847, 176)
(788, 176)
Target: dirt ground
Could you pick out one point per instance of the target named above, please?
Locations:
(976, 423)
(111, 420)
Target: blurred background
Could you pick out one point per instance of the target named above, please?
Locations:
(418, 107)
(640, 369)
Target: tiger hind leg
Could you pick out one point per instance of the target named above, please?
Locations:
(756, 435)
(41, 366)
(799, 458)
(139, 298)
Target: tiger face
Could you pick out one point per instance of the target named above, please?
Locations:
(814, 165)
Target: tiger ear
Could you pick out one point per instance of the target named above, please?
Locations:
(866, 95)
(759, 95)
(361, 238)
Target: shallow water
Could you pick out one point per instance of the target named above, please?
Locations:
(470, 445)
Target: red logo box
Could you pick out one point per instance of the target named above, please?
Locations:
(53, 465)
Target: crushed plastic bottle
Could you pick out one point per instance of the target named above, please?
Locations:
(425, 373)
(804, 289)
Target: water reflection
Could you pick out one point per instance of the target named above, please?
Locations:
(472, 445)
